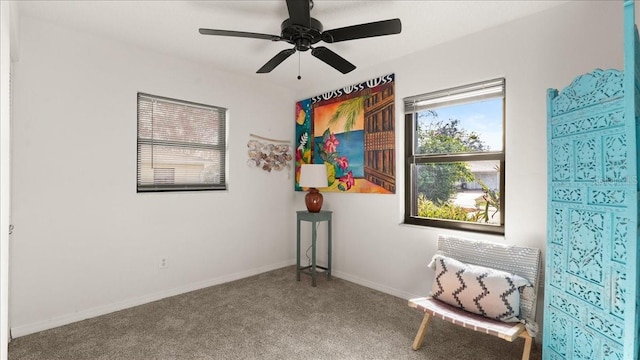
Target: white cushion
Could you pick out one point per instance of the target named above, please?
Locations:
(488, 292)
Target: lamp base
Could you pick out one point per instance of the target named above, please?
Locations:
(313, 200)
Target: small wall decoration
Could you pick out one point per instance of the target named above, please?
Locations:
(352, 131)
(269, 154)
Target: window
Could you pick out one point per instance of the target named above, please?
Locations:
(181, 145)
(454, 145)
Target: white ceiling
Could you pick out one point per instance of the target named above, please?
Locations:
(171, 27)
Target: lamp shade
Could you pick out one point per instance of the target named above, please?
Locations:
(313, 175)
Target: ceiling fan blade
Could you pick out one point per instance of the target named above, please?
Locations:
(377, 28)
(275, 61)
(240, 34)
(332, 59)
(299, 12)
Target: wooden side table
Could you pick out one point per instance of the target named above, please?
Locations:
(314, 219)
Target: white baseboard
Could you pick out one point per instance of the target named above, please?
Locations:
(27, 329)
(366, 283)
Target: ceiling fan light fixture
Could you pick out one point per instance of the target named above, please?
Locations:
(303, 44)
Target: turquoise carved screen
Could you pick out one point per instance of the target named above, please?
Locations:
(591, 268)
(590, 191)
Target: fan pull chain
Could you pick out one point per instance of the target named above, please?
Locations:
(299, 77)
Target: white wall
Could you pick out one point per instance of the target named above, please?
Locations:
(546, 50)
(85, 243)
(5, 120)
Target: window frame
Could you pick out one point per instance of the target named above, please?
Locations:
(220, 146)
(412, 159)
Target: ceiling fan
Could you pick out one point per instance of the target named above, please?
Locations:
(303, 31)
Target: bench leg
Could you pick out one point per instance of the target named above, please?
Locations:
(528, 340)
(417, 342)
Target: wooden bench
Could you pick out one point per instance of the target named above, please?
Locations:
(522, 261)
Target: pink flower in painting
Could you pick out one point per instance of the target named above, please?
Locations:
(348, 180)
(331, 144)
(343, 162)
(298, 155)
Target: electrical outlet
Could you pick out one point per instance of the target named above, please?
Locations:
(164, 262)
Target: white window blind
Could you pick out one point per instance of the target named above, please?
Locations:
(181, 145)
(462, 94)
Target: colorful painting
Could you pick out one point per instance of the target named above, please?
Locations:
(352, 131)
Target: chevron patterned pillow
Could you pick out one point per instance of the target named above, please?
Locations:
(488, 292)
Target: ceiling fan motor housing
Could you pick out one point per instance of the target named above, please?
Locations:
(301, 36)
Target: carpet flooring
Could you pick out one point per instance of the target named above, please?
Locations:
(267, 316)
